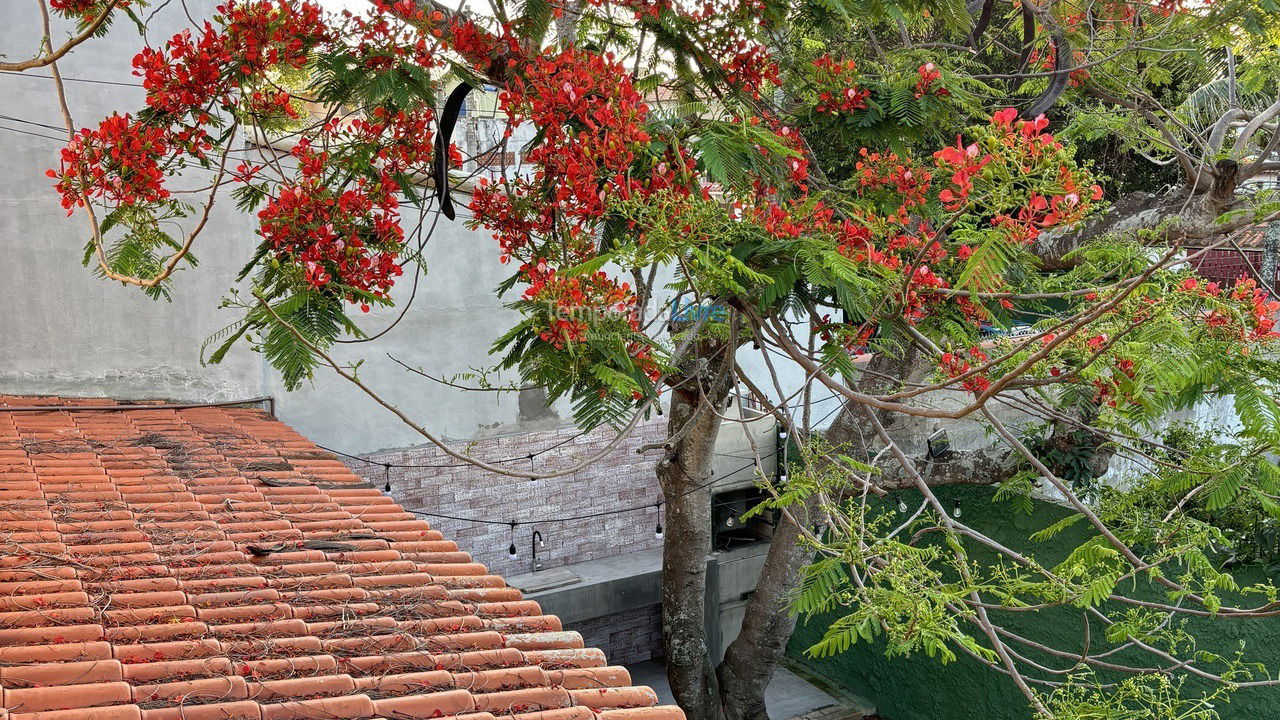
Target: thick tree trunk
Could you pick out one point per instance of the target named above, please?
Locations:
(687, 467)
(735, 690)
(752, 658)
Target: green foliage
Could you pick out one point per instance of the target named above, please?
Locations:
(600, 376)
(288, 335)
(1145, 697)
(140, 247)
(404, 85)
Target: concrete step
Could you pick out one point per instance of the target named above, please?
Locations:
(832, 712)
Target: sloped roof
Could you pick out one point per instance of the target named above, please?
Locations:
(212, 564)
(1251, 239)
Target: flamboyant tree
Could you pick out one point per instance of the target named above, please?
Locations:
(843, 178)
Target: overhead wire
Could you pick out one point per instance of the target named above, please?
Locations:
(72, 79)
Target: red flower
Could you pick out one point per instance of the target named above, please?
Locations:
(120, 163)
(929, 74)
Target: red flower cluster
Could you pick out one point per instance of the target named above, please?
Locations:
(352, 237)
(268, 33)
(1022, 148)
(574, 300)
(896, 181)
(964, 163)
(124, 162)
(792, 218)
(956, 364)
(480, 47)
(188, 74)
(1257, 312)
(748, 65)
(341, 229)
(404, 141)
(83, 10)
(929, 74)
(837, 91)
(591, 121)
(121, 163)
(1260, 310)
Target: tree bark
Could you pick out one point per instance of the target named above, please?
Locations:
(693, 426)
(752, 658)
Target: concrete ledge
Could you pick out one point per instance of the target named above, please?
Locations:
(612, 585)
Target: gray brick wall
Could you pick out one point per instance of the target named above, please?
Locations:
(623, 479)
(626, 637)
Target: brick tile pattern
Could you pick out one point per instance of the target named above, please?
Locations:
(627, 637)
(192, 564)
(623, 479)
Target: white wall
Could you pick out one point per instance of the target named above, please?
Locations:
(65, 331)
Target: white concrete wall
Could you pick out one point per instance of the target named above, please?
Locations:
(65, 331)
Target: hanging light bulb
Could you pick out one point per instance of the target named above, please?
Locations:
(511, 551)
(386, 472)
(902, 506)
(657, 530)
(729, 521)
(955, 509)
(532, 479)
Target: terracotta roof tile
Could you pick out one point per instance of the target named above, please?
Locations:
(184, 564)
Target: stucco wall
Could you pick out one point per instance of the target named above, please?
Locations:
(65, 331)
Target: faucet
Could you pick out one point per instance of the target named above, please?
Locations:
(537, 541)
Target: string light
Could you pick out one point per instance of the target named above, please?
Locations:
(386, 469)
(955, 509)
(902, 506)
(657, 531)
(511, 550)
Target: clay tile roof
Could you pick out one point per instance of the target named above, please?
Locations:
(1251, 239)
(212, 564)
